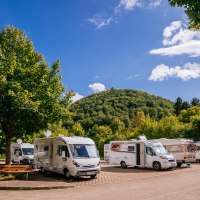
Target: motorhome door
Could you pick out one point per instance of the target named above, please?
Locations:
(51, 155)
(140, 155)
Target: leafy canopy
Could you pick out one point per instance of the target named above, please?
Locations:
(31, 93)
(192, 9)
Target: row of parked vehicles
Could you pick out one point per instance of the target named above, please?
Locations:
(158, 154)
(78, 156)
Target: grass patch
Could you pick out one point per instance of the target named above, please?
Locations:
(7, 177)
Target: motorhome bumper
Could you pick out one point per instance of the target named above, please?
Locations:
(166, 164)
(87, 173)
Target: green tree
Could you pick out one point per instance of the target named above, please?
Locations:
(178, 105)
(169, 127)
(101, 135)
(195, 102)
(77, 130)
(186, 116)
(192, 9)
(193, 130)
(117, 125)
(31, 93)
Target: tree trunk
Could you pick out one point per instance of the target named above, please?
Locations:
(8, 152)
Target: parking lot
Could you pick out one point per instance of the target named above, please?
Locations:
(113, 183)
(109, 174)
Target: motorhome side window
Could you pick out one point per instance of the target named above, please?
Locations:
(149, 151)
(62, 148)
(131, 148)
(46, 148)
(175, 148)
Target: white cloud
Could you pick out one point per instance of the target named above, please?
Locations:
(99, 21)
(77, 97)
(186, 72)
(155, 3)
(97, 87)
(169, 30)
(128, 5)
(191, 48)
(179, 40)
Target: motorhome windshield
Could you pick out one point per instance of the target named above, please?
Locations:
(160, 150)
(28, 151)
(83, 150)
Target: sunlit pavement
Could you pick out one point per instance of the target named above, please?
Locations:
(112, 174)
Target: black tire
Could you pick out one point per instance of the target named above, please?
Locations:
(123, 164)
(67, 174)
(179, 164)
(93, 176)
(43, 171)
(157, 166)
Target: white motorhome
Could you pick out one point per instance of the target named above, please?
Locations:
(181, 149)
(22, 153)
(71, 156)
(197, 154)
(106, 152)
(140, 153)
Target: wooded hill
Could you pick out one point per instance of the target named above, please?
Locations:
(101, 108)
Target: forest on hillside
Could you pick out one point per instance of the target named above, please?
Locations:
(124, 114)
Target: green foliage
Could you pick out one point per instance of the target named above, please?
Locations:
(105, 107)
(195, 102)
(186, 116)
(181, 105)
(31, 93)
(192, 9)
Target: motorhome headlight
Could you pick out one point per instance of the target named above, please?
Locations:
(164, 157)
(76, 164)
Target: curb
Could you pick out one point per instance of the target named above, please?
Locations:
(36, 188)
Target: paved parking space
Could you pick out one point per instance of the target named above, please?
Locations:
(112, 174)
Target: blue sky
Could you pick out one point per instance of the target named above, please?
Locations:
(136, 44)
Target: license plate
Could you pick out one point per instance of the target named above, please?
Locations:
(90, 173)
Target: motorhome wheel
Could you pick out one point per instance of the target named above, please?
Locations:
(123, 164)
(157, 166)
(67, 174)
(93, 176)
(43, 171)
(179, 164)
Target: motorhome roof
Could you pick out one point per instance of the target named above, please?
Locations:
(71, 140)
(146, 142)
(174, 141)
(22, 145)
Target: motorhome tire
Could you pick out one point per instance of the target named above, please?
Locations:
(43, 171)
(157, 166)
(93, 176)
(67, 174)
(179, 164)
(123, 164)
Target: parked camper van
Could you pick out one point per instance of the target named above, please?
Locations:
(140, 153)
(22, 153)
(71, 156)
(106, 152)
(181, 149)
(197, 154)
